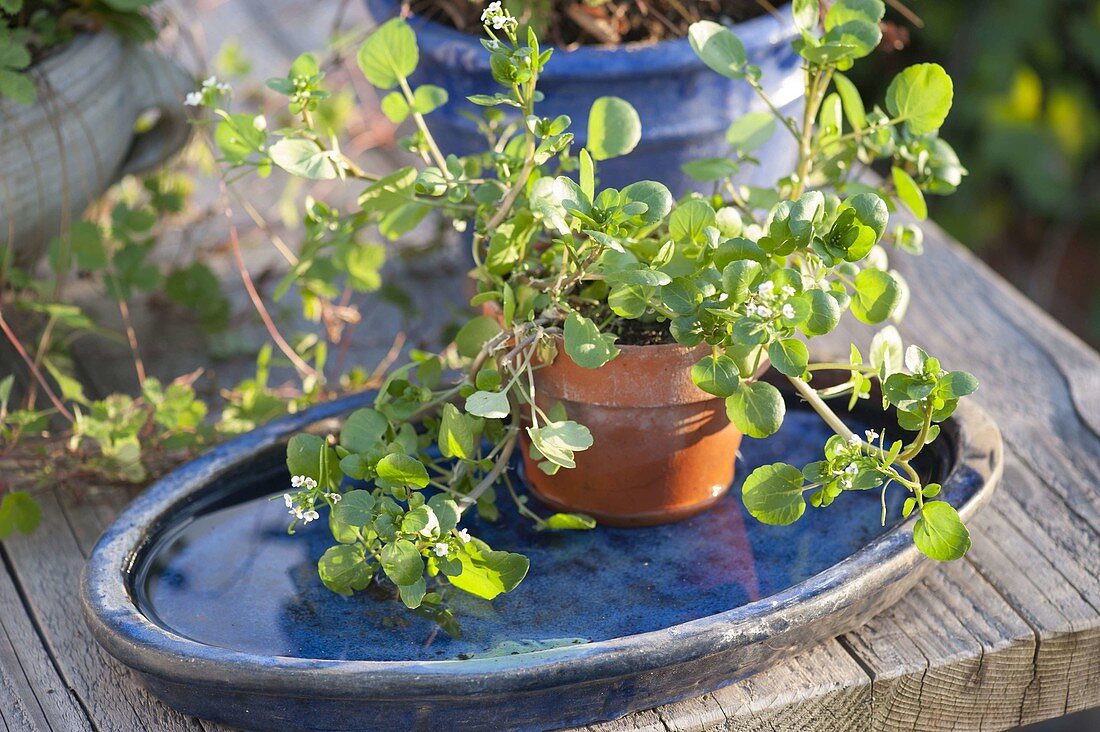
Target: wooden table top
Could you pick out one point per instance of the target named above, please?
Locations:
(1009, 635)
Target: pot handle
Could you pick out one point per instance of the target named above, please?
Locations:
(156, 83)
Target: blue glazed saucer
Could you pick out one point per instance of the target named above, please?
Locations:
(200, 590)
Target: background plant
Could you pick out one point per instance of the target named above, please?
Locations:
(29, 29)
(1030, 133)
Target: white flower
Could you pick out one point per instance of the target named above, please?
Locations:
(193, 99)
(433, 525)
(297, 481)
(750, 309)
(441, 549)
(209, 82)
(310, 516)
(766, 288)
(259, 123)
(872, 435)
(334, 497)
(223, 88)
(847, 482)
(309, 483)
(500, 22)
(464, 535)
(288, 500)
(852, 469)
(787, 290)
(854, 441)
(788, 311)
(763, 311)
(492, 10)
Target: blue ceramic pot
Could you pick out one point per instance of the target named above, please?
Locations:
(684, 106)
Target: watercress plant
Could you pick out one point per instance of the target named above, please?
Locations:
(753, 273)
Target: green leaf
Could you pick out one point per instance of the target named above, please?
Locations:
(412, 595)
(446, 512)
(789, 356)
(654, 195)
(237, 137)
(301, 157)
(344, 569)
(456, 435)
(18, 512)
(806, 14)
(17, 86)
(356, 508)
(756, 408)
(824, 315)
(402, 469)
(887, 351)
(395, 107)
(558, 441)
(871, 211)
(877, 294)
(6, 385)
(569, 522)
(717, 375)
(909, 193)
(689, 219)
(718, 48)
(706, 170)
(750, 131)
(681, 296)
(389, 54)
(71, 389)
(475, 334)
(957, 384)
(363, 430)
(629, 301)
(773, 494)
(921, 95)
(428, 98)
(614, 128)
(585, 344)
(303, 455)
(402, 563)
(487, 573)
(490, 404)
(940, 533)
(850, 100)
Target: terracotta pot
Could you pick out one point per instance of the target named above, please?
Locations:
(663, 449)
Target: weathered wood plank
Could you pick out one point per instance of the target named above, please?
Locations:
(47, 566)
(32, 695)
(952, 653)
(1044, 562)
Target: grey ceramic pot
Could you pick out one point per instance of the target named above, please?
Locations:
(62, 152)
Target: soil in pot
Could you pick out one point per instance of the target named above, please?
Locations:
(663, 450)
(568, 23)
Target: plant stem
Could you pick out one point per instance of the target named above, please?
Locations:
(491, 477)
(824, 410)
(436, 154)
(257, 302)
(34, 369)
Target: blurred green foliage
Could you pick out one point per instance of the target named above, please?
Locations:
(1026, 123)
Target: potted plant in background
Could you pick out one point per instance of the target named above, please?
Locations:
(636, 51)
(625, 330)
(75, 87)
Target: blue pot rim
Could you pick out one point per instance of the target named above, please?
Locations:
(158, 652)
(464, 50)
